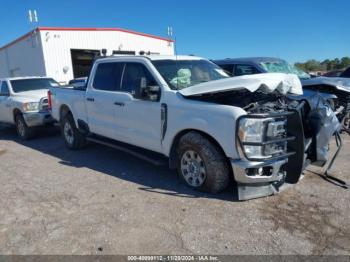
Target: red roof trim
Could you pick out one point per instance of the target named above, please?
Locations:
(102, 29)
(83, 29)
(18, 39)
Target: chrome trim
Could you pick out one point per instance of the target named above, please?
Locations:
(44, 104)
(38, 119)
(240, 168)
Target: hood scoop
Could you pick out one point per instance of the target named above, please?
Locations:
(269, 82)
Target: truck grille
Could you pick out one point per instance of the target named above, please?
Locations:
(296, 162)
(44, 104)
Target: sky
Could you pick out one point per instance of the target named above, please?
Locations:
(294, 30)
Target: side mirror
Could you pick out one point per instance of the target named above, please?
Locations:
(152, 93)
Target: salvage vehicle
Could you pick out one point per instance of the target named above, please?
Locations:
(333, 73)
(346, 73)
(24, 103)
(338, 86)
(188, 111)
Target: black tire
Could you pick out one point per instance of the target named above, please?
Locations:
(23, 130)
(216, 171)
(73, 138)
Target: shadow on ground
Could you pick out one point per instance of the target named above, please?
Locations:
(114, 163)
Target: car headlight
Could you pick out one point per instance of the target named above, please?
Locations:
(31, 106)
(262, 138)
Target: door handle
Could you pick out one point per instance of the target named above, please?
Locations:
(119, 104)
(90, 99)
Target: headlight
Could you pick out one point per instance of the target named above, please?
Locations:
(262, 138)
(251, 129)
(31, 106)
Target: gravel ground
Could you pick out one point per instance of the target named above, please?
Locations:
(102, 201)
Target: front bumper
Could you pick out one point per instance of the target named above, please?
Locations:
(258, 179)
(38, 118)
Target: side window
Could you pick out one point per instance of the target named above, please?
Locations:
(136, 78)
(228, 69)
(245, 70)
(4, 90)
(108, 76)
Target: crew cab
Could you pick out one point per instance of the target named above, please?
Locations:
(24, 103)
(209, 127)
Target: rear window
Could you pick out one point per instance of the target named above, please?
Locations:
(25, 85)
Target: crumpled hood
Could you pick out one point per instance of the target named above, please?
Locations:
(338, 82)
(269, 82)
(34, 95)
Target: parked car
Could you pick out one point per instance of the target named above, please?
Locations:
(333, 73)
(24, 103)
(187, 110)
(258, 65)
(338, 86)
(346, 73)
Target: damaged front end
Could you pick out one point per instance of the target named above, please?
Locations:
(278, 137)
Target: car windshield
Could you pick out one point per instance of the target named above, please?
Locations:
(180, 74)
(284, 67)
(24, 85)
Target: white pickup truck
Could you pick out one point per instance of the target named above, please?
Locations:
(24, 103)
(208, 126)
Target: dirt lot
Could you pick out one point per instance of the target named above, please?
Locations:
(101, 201)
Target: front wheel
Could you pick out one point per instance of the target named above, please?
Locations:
(23, 130)
(201, 163)
(73, 138)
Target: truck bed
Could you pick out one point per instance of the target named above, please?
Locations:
(73, 98)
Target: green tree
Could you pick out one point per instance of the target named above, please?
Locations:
(345, 62)
(325, 65)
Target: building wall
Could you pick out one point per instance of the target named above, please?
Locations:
(23, 57)
(58, 44)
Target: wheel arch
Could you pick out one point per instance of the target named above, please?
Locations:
(63, 111)
(16, 111)
(172, 153)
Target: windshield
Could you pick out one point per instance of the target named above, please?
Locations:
(181, 74)
(283, 67)
(24, 85)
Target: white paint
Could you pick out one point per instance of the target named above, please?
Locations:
(269, 82)
(48, 52)
(24, 58)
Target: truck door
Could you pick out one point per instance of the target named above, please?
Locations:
(138, 118)
(100, 98)
(5, 109)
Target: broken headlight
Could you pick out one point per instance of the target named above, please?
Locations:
(262, 138)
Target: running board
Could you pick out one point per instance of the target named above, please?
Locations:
(152, 157)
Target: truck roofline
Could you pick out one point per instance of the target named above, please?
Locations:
(150, 57)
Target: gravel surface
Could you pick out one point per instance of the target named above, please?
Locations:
(102, 201)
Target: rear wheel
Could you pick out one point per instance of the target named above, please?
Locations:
(201, 164)
(71, 135)
(23, 131)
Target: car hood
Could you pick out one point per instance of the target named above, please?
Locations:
(34, 95)
(267, 82)
(337, 82)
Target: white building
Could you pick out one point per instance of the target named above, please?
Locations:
(67, 53)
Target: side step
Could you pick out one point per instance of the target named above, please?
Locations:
(144, 154)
